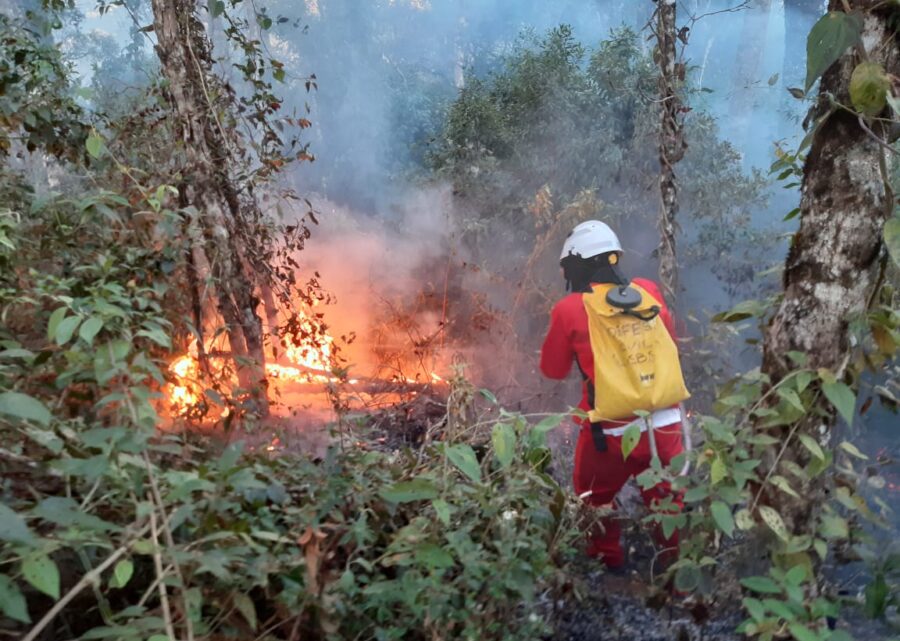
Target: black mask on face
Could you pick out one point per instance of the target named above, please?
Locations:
(581, 272)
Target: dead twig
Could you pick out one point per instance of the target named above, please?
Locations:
(170, 543)
(157, 563)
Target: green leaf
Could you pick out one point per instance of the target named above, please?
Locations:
(696, 494)
(795, 575)
(834, 527)
(144, 546)
(90, 328)
(804, 378)
(245, 606)
(463, 457)
(774, 521)
(780, 609)
(744, 519)
(537, 437)
(12, 526)
(122, 574)
(761, 584)
(278, 74)
(802, 633)
(41, 572)
(12, 603)
(489, 395)
(717, 471)
(66, 512)
(95, 145)
(821, 548)
(742, 311)
(434, 556)
(442, 509)
(216, 8)
(791, 397)
(503, 438)
(630, 439)
(869, 86)
(810, 443)
(24, 407)
(230, 456)
(892, 238)
(66, 329)
(755, 607)
(156, 335)
(876, 593)
(828, 40)
(842, 397)
(784, 485)
(721, 514)
(407, 491)
(687, 578)
(55, 319)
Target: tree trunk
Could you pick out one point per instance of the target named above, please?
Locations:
(184, 54)
(671, 144)
(831, 267)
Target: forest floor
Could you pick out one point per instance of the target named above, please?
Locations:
(627, 606)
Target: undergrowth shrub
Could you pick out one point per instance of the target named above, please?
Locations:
(358, 545)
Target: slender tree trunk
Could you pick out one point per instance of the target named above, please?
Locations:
(831, 268)
(671, 144)
(184, 54)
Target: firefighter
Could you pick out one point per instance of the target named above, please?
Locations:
(585, 328)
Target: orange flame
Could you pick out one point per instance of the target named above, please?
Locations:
(307, 357)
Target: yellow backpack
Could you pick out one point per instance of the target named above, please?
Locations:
(636, 364)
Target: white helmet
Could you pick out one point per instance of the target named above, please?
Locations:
(590, 238)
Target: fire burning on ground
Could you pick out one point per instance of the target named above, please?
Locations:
(306, 371)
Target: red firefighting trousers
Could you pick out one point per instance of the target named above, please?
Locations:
(605, 473)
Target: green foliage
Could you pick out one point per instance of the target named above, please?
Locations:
(869, 87)
(730, 493)
(36, 103)
(554, 118)
(362, 543)
(828, 40)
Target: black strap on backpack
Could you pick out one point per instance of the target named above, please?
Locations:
(597, 434)
(652, 313)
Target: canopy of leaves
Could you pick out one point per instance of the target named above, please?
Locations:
(554, 114)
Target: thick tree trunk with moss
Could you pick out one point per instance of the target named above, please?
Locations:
(184, 54)
(671, 144)
(832, 265)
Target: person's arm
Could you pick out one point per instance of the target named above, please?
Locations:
(557, 352)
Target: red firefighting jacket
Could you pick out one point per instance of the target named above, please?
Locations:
(569, 339)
